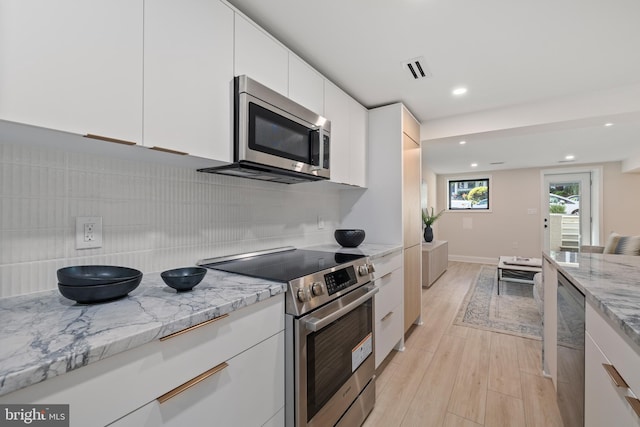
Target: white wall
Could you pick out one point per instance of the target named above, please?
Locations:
(510, 230)
(155, 216)
(507, 229)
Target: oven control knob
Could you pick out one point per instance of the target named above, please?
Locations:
(366, 269)
(317, 288)
(304, 294)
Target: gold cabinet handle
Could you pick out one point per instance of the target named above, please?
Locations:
(108, 139)
(168, 150)
(615, 376)
(203, 376)
(388, 315)
(191, 328)
(635, 404)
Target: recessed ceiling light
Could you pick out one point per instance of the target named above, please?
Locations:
(608, 124)
(569, 157)
(459, 91)
(462, 142)
(474, 165)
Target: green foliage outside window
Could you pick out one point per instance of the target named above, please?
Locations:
(478, 193)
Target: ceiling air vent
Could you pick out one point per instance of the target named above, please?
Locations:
(417, 68)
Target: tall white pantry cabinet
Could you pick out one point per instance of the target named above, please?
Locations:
(389, 211)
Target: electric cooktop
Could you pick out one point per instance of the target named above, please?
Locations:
(282, 266)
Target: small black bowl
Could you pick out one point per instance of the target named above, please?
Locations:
(91, 294)
(90, 275)
(183, 279)
(349, 238)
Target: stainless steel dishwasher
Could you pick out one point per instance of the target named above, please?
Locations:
(570, 347)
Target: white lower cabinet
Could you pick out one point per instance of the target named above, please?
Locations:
(247, 391)
(610, 360)
(389, 307)
(249, 340)
(605, 403)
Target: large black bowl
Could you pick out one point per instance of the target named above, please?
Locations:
(183, 279)
(90, 275)
(91, 294)
(349, 238)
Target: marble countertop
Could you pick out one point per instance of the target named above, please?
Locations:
(372, 250)
(43, 335)
(610, 282)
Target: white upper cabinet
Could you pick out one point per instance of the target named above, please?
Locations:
(188, 77)
(358, 124)
(306, 85)
(336, 107)
(348, 136)
(260, 57)
(73, 65)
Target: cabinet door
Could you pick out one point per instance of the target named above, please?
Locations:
(249, 391)
(73, 65)
(412, 285)
(306, 86)
(358, 124)
(605, 404)
(336, 107)
(260, 57)
(188, 77)
(389, 314)
(412, 219)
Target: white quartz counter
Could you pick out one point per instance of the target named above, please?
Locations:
(610, 282)
(44, 335)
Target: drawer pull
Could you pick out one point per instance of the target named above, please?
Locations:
(191, 328)
(388, 315)
(203, 376)
(635, 404)
(615, 376)
(168, 150)
(106, 138)
(386, 275)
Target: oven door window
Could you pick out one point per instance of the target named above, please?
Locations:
(334, 353)
(274, 134)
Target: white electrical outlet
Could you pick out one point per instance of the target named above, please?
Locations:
(88, 232)
(320, 222)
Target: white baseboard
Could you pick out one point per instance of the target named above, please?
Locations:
(473, 259)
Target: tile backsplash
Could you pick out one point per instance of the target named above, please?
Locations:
(155, 216)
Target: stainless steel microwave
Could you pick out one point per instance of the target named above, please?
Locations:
(276, 139)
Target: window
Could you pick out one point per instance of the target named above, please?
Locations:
(467, 194)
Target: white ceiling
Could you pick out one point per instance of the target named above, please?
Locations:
(508, 53)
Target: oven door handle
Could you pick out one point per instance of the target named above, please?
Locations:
(314, 324)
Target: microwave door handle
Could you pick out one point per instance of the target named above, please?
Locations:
(320, 150)
(321, 147)
(314, 324)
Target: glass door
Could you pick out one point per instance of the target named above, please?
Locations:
(567, 211)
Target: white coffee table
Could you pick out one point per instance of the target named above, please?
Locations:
(518, 269)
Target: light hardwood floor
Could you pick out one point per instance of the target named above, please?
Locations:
(454, 376)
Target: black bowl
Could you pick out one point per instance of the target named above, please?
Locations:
(183, 279)
(349, 238)
(91, 294)
(90, 275)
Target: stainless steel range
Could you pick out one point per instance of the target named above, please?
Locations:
(329, 362)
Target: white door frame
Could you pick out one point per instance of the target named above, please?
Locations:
(596, 201)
